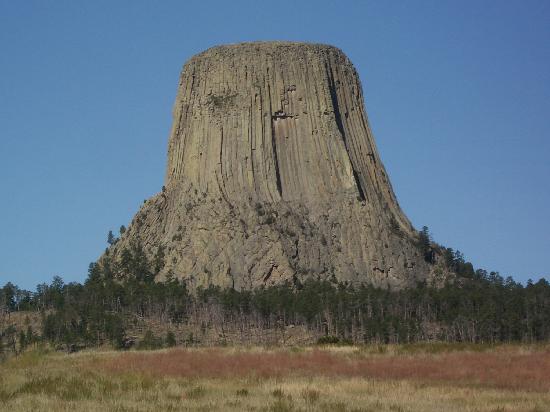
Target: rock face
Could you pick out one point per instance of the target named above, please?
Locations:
(273, 175)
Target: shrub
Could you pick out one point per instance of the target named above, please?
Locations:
(170, 339)
(196, 392)
(328, 340)
(149, 342)
(259, 209)
(310, 395)
(278, 393)
(242, 392)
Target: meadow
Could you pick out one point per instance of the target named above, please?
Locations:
(420, 377)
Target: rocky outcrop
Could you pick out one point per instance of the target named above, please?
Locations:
(273, 175)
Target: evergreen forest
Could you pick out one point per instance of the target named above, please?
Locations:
(476, 307)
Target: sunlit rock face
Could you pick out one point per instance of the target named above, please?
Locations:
(273, 175)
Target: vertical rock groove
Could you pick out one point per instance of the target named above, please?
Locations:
(338, 118)
(269, 151)
(275, 161)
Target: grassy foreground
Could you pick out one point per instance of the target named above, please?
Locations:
(372, 378)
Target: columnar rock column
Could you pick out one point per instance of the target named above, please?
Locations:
(273, 175)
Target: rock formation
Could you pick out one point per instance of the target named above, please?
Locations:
(273, 175)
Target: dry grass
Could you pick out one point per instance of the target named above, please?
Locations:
(332, 379)
(511, 368)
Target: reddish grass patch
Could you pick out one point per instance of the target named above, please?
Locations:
(509, 369)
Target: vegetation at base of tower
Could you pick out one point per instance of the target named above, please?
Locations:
(478, 307)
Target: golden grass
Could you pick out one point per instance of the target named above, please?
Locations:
(331, 379)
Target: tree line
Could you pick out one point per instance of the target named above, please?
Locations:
(478, 307)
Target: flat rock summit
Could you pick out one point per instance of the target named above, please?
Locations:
(273, 175)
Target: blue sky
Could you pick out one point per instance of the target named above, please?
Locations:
(457, 92)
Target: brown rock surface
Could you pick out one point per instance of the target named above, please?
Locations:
(273, 175)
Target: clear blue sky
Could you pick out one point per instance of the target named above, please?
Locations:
(457, 92)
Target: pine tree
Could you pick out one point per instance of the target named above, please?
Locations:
(424, 243)
(111, 238)
(170, 339)
(158, 260)
(22, 341)
(30, 335)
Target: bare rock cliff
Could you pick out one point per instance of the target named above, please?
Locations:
(273, 175)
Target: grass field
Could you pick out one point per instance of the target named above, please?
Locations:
(430, 377)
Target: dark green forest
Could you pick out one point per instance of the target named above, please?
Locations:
(477, 307)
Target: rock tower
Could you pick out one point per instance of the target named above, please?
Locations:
(273, 175)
